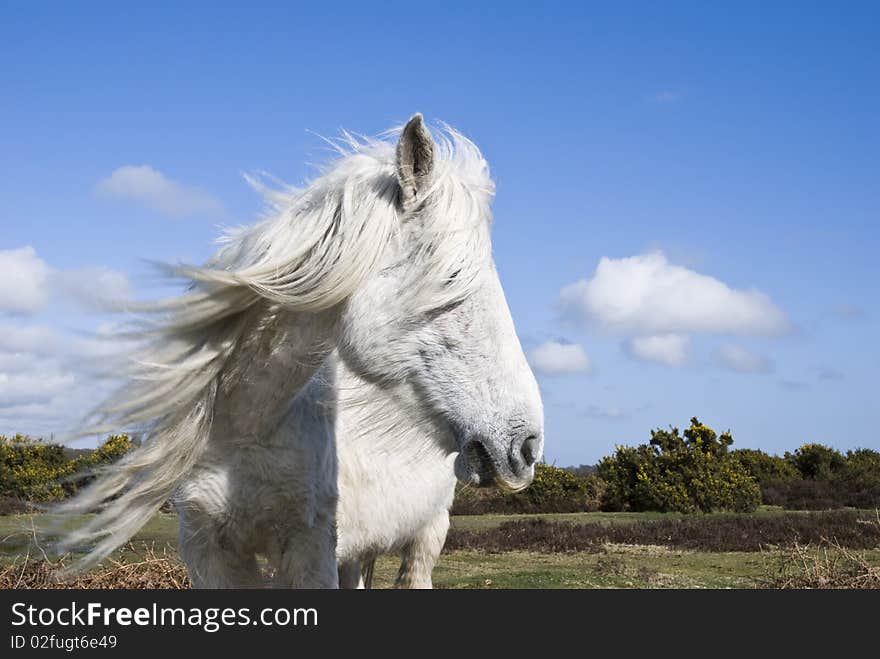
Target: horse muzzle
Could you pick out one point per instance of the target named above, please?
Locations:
(510, 465)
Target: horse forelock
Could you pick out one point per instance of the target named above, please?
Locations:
(317, 243)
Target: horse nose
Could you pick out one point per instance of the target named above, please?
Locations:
(526, 451)
(531, 450)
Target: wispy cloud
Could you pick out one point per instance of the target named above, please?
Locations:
(28, 283)
(847, 311)
(24, 388)
(150, 187)
(93, 286)
(738, 358)
(793, 385)
(828, 373)
(669, 349)
(47, 380)
(23, 281)
(556, 358)
(599, 412)
(31, 339)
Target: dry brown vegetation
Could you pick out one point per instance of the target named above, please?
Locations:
(137, 568)
(749, 533)
(829, 564)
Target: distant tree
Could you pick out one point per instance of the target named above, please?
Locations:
(763, 467)
(775, 475)
(818, 477)
(859, 481)
(581, 471)
(816, 461)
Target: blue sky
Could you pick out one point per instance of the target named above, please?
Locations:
(726, 159)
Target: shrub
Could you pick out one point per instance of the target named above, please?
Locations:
(112, 448)
(765, 468)
(674, 472)
(816, 477)
(827, 479)
(817, 462)
(86, 465)
(553, 490)
(859, 481)
(34, 470)
(31, 469)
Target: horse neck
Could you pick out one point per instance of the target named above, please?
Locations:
(395, 473)
(278, 354)
(376, 420)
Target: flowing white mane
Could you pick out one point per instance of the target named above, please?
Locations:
(318, 243)
(312, 252)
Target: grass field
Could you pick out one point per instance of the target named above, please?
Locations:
(607, 566)
(619, 566)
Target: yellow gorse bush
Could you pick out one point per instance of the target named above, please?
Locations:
(34, 470)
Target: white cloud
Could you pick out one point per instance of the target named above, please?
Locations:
(15, 362)
(28, 284)
(737, 358)
(46, 380)
(23, 280)
(598, 412)
(40, 367)
(107, 343)
(152, 188)
(669, 349)
(28, 339)
(30, 388)
(647, 295)
(31, 418)
(555, 358)
(93, 287)
(23, 362)
(30, 375)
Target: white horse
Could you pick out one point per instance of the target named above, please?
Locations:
(386, 260)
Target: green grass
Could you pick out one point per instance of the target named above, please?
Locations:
(617, 566)
(17, 532)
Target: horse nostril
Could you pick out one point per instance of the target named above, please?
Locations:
(530, 450)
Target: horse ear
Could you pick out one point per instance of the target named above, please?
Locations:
(415, 160)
